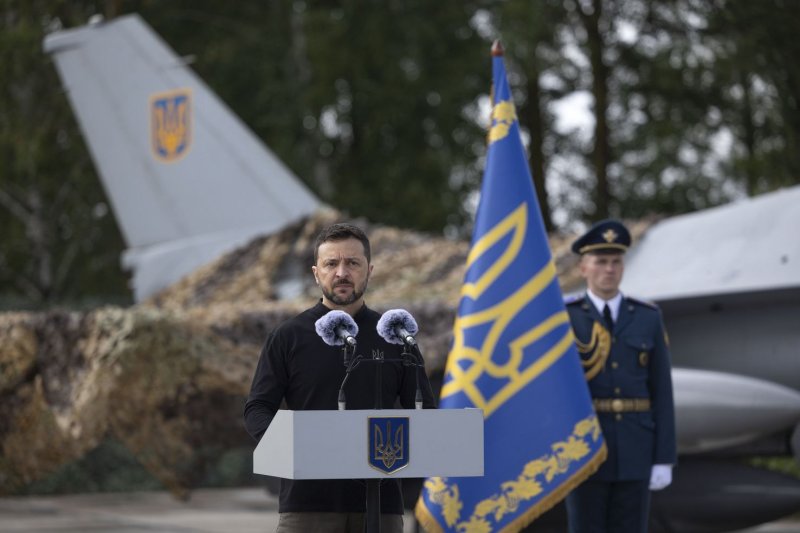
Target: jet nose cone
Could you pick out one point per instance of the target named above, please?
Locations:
(714, 409)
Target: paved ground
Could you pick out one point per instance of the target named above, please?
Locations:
(247, 510)
(214, 510)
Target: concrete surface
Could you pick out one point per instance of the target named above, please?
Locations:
(243, 510)
(250, 510)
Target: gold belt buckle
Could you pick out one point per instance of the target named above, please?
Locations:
(617, 405)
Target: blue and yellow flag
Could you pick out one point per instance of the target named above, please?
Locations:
(513, 356)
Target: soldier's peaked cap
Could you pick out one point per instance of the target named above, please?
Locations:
(606, 236)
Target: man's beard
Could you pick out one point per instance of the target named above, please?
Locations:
(346, 300)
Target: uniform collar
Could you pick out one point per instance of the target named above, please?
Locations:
(614, 303)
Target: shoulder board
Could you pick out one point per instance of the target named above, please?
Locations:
(646, 303)
(573, 298)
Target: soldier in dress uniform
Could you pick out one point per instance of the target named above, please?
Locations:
(625, 356)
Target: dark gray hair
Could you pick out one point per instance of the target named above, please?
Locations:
(341, 232)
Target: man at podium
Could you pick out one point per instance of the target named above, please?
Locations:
(298, 367)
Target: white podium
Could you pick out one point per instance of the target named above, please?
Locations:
(336, 444)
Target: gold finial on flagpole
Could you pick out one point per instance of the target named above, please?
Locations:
(497, 48)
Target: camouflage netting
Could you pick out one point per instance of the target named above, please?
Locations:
(167, 378)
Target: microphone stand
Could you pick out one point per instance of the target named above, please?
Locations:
(351, 361)
(410, 358)
(373, 518)
(372, 522)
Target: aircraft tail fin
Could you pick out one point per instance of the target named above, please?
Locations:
(186, 178)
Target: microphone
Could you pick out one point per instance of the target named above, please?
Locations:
(337, 328)
(397, 326)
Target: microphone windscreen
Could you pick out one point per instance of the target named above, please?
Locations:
(389, 322)
(327, 325)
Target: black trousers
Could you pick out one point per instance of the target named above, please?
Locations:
(609, 507)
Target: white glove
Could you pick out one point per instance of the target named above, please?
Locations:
(660, 477)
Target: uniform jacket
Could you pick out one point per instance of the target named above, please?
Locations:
(637, 366)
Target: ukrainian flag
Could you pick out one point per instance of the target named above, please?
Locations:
(513, 356)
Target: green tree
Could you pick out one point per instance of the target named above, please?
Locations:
(377, 107)
(665, 124)
(758, 84)
(709, 104)
(391, 82)
(364, 101)
(59, 242)
(693, 103)
(528, 30)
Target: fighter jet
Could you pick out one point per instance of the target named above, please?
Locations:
(188, 182)
(728, 282)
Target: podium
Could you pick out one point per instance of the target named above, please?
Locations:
(336, 444)
(372, 444)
